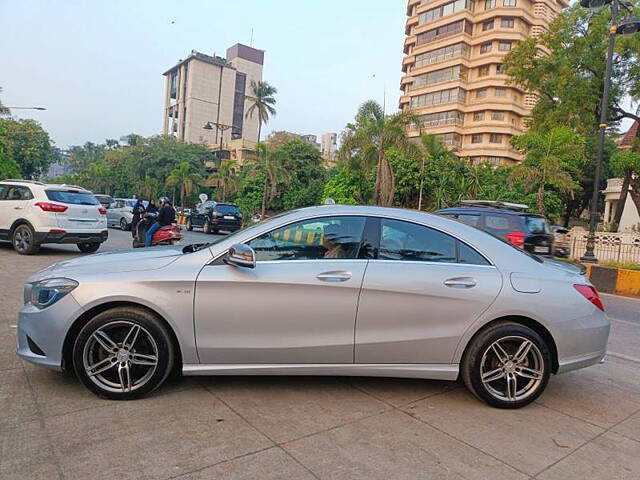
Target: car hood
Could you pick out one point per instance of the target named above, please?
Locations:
(133, 260)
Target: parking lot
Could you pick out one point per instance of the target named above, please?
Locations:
(586, 425)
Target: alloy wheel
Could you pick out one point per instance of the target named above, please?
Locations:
(22, 239)
(512, 368)
(120, 356)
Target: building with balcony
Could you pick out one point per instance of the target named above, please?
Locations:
(208, 89)
(329, 148)
(453, 78)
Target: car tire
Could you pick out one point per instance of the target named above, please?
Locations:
(123, 353)
(189, 225)
(215, 231)
(24, 240)
(206, 227)
(88, 247)
(124, 226)
(507, 365)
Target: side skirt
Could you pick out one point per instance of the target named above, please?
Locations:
(430, 371)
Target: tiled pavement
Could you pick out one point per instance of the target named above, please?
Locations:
(587, 424)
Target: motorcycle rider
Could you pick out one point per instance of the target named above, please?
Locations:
(138, 210)
(166, 216)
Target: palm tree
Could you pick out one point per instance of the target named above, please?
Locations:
(270, 164)
(431, 149)
(367, 141)
(187, 180)
(225, 179)
(549, 156)
(263, 102)
(149, 187)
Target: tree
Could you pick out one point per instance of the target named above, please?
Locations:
(365, 144)
(305, 175)
(431, 150)
(3, 110)
(184, 178)
(549, 158)
(262, 102)
(225, 180)
(27, 144)
(149, 188)
(269, 165)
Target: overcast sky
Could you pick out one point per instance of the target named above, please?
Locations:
(97, 65)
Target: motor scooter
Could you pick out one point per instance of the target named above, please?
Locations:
(167, 235)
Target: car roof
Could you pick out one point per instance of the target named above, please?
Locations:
(478, 209)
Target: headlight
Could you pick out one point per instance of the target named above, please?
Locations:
(45, 293)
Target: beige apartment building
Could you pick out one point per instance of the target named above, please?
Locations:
(204, 89)
(453, 77)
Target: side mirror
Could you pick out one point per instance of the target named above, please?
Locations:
(240, 255)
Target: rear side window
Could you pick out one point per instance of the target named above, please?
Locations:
(15, 192)
(502, 224)
(468, 255)
(71, 197)
(227, 209)
(536, 224)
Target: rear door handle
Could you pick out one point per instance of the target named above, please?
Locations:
(17, 208)
(460, 282)
(335, 276)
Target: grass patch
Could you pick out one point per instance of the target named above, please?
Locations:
(625, 265)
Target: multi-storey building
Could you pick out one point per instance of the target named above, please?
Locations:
(453, 76)
(328, 148)
(210, 90)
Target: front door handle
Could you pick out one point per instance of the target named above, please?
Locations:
(460, 282)
(335, 276)
(17, 208)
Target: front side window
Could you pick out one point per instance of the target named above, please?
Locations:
(408, 241)
(314, 239)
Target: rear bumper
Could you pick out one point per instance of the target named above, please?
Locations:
(73, 237)
(231, 225)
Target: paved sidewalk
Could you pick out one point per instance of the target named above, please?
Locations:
(587, 424)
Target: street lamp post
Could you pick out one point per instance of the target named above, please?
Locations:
(220, 128)
(25, 108)
(627, 26)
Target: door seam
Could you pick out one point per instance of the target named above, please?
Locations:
(355, 322)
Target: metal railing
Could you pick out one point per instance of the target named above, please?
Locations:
(606, 251)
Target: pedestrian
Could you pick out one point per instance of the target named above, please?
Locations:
(166, 216)
(138, 210)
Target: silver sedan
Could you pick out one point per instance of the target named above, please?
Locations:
(331, 290)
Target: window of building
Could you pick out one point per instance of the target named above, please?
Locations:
(494, 160)
(445, 31)
(509, 3)
(410, 242)
(441, 96)
(437, 76)
(497, 116)
(495, 138)
(483, 71)
(478, 116)
(451, 117)
(516, 97)
(442, 11)
(489, 4)
(507, 22)
(445, 53)
(500, 92)
(488, 25)
(499, 68)
(486, 47)
(451, 139)
(316, 239)
(481, 93)
(475, 161)
(476, 138)
(504, 46)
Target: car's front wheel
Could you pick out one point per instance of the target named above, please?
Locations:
(123, 353)
(123, 224)
(88, 247)
(507, 365)
(206, 227)
(189, 225)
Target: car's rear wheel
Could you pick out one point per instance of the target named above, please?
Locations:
(507, 365)
(24, 240)
(206, 227)
(88, 247)
(123, 353)
(123, 224)
(189, 225)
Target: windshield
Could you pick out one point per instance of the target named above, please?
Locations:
(72, 197)
(536, 224)
(227, 209)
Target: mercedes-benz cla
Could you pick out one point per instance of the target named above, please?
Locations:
(330, 290)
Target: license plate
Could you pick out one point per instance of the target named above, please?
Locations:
(541, 249)
(229, 217)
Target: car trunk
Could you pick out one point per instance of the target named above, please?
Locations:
(82, 209)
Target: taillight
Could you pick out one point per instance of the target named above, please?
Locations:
(55, 230)
(516, 238)
(591, 294)
(102, 210)
(52, 207)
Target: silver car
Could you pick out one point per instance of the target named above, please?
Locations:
(331, 290)
(120, 213)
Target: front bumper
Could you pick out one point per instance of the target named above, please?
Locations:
(41, 333)
(73, 237)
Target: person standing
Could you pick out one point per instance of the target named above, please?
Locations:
(166, 216)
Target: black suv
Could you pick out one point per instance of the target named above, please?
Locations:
(529, 231)
(213, 216)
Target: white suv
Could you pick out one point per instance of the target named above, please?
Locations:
(33, 213)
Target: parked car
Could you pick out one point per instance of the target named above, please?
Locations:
(561, 247)
(214, 216)
(509, 221)
(105, 200)
(33, 213)
(331, 290)
(120, 212)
